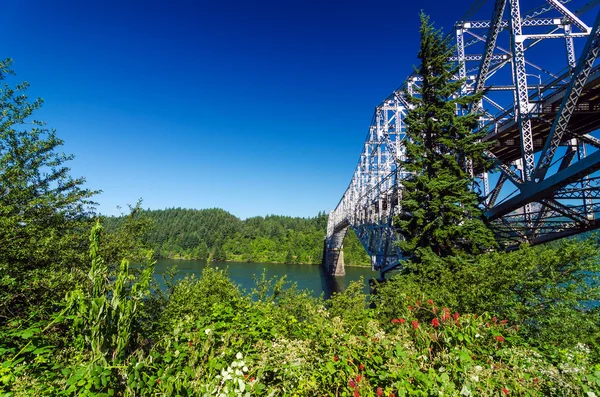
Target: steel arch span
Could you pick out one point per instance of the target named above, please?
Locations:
(541, 109)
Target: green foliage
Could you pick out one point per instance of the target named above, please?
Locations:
(440, 213)
(550, 291)
(210, 339)
(216, 235)
(40, 204)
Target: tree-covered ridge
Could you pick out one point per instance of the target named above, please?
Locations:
(215, 234)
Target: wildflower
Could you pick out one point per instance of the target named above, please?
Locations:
(495, 319)
(456, 316)
(361, 367)
(208, 331)
(410, 308)
(335, 358)
(356, 393)
(446, 316)
(503, 322)
(418, 303)
(435, 322)
(505, 391)
(500, 339)
(379, 392)
(392, 395)
(434, 310)
(430, 302)
(358, 377)
(239, 356)
(158, 380)
(352, 383)
(415, 324)
(395, 320)
(190, 343)
(446, 310)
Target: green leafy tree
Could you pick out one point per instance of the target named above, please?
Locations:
(44, 212)
(440, 213)
(40, 203)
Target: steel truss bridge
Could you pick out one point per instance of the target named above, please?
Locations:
(541, 110)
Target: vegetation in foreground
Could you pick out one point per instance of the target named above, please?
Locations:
(115, 336)
(76, 319)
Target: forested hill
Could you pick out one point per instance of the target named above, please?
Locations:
(218, 235)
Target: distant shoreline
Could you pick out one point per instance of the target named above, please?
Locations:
(274, 263)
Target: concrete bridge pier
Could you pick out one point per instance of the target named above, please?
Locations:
(333, 253)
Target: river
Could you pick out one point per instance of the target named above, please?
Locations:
(309, 277)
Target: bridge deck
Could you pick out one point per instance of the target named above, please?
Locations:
(585, 119)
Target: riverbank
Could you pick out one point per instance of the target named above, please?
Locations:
(269, 262)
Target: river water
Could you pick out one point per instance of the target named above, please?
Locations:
(309, 277)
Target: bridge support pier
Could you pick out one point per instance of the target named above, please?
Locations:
(333, 259)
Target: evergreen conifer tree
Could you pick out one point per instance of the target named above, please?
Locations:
(440, 215)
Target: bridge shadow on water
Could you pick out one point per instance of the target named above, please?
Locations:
(329, 283)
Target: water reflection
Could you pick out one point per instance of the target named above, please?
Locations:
(307, 277)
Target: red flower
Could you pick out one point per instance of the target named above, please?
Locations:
(379, 392)
(434, 310)
(446, 310)
(361, 367)
(435, 322)
(505, 391)
(190, 343)
(430, 302)
(499, 338)
(158, 380)
(352, 383)
(495, 319)
(456, 316)
(359, 377)
(392, 395)
(335, 358)
(356, 393)
(503, 322)
(418, 303)
(252, 379)
(415, 324)
(396, 321)
(446, 316)
(410, 308)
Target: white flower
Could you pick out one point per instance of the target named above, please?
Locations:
(245, 369)
(208, 331)
(465, 391)
(477, 336)
(478, 368)
(239, 356)
(475, 378)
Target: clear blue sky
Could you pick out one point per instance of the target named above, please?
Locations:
(256, 107)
